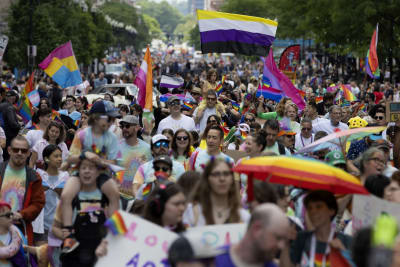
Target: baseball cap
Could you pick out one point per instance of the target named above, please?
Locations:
(130, 119)
(196, 90)
(191, 247)
(12, 93)
(165, 159)
(334, 158)
(172, 98)
(105, 107)
(159, 137)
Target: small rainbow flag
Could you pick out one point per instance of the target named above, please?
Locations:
(116, 224)
(363, 107)
(26, 109)
(76, 123)
(348, 95)
(319, 99)
(243, 135)
(218, 89)
(187, 105)
(235, 105)
(146, 191)
(120, 176)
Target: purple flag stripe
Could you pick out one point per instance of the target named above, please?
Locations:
(236, 35)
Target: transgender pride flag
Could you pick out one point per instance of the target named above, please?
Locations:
(144, 81)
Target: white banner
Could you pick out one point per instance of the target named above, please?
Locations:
(145, 244)
(3, 45)
(367, 208)
(218, 235)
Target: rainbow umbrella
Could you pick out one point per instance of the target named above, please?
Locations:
(299, 172)
(341, 137)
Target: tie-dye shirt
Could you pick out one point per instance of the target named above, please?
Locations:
(13, 188)
(131, 157)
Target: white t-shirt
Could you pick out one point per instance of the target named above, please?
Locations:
(184, 122)
(200, 158)
(275, 149)
(2, 135)
(327, 127)
(33, 136)
(203, 121)
(301, 141)
(193, 216)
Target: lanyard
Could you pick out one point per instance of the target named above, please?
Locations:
(302, 142)
(314, 247)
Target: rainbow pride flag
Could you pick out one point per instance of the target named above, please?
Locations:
(218, 89)
(62, 67)
(26, 109)
(235, 105)
(146, 191)
(76, 123)
(319, 99)
(187, 105)
(120, 176)
(116, 224)
(144, 81)
(371, 61)
(347, 94)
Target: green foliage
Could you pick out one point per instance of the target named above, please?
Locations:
(344, 26)
(167, 16)
(194, 35)
(54, 23)
(128, 15)
(257, 8)
(185, 27)
(154, 27)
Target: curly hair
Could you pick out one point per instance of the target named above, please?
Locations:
(280, 108)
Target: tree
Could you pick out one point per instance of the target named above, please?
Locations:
(195, 37)
(49, 31)
(185, 27)
(167, 16)
(257, 8)
(154, 27)
(127, 15)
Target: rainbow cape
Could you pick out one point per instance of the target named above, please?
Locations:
(116, 224)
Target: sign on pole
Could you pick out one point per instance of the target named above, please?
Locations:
(3, 45)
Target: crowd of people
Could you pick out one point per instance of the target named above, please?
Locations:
(58, 182)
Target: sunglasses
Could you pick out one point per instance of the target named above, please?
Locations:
(158, 168)
(17, 150)
(174, 103)
(211, 98)
(7, 215)
(161, 144)
(379, 118)
(127, 126)
(250, 120)
(305, 129)
(182, 138)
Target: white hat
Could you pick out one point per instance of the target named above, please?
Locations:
(159, 137)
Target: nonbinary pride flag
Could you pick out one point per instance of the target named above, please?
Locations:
(224, 32)
(61, 66)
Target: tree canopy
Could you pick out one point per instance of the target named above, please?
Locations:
(167, 16)
(55, 22)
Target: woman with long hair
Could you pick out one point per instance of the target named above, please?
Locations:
(165, 207)
(216, 197)
(55, 135)
(81, 103)
(181, 146)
